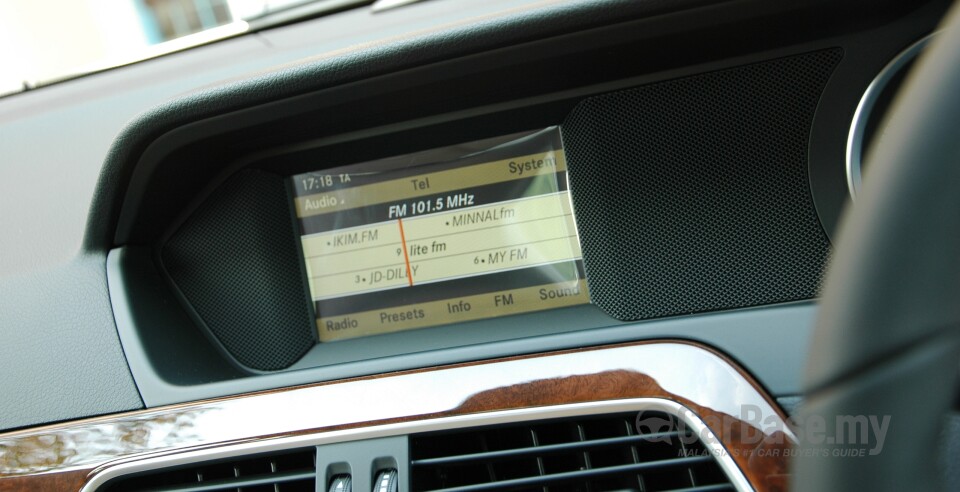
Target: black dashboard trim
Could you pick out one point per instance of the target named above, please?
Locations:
(145, 322)
(193, 152)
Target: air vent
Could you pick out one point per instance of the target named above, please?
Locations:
(287, 472)
(591, 454)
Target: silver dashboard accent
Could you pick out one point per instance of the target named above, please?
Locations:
(709, 439)
(858, 126)
(731, 413)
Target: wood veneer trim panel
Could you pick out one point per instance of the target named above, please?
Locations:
(705, 382)
(47, 482)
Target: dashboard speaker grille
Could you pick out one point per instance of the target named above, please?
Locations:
(286, 472)
(692, 195)
(601, 453)
(236, 261)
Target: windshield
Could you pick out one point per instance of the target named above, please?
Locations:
(46, 41)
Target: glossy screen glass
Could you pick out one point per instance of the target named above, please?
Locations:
(461, 233)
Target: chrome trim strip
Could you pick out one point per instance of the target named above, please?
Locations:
(858, 126)
(736, 476)
(680, 369)
(740, 417)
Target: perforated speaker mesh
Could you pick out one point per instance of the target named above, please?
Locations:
(692, 195)
(236, 262)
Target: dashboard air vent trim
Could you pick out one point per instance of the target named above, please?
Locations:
(163, 460)
(597, 452)
(280, 472)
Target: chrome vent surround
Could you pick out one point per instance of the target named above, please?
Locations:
(278, 472)
(589, 446)
(628, 451)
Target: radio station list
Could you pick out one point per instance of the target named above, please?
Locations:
(450, 244)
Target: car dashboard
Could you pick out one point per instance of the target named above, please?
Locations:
(456, 245)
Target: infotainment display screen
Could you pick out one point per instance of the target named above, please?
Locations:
(466, 232)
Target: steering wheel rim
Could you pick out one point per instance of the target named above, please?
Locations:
(885, 348)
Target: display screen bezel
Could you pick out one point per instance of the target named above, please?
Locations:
(450, 157)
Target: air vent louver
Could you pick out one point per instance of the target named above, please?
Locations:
(286, 472)
(592, 454)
